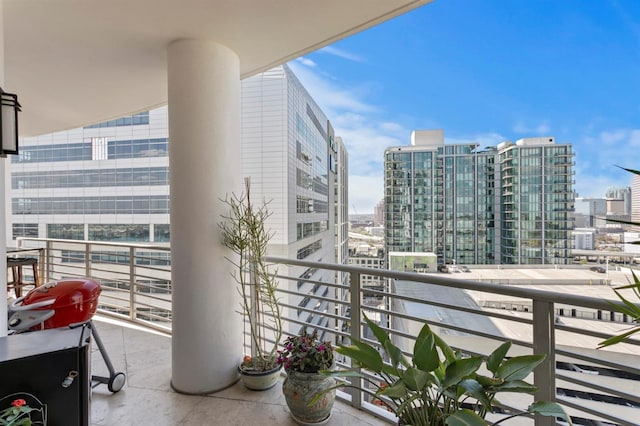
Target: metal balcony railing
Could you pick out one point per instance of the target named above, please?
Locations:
(135, 278)
(595, 386)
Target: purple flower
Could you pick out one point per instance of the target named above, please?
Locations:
(306, 353)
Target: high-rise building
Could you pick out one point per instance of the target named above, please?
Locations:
(378, 213)
(507, 204)
(289, 149)
(341, 194)
(635, 202)
(621, 200)
(590, 212)
(618, 208)
(441, 199)
(110, 181)
(537, 201)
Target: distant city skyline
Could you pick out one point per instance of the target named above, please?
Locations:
(486, 72)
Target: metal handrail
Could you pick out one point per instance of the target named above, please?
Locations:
(140, 291)
(525, 293)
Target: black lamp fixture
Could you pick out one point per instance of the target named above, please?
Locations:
(8, 123)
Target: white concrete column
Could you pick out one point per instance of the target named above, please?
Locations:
(204, 165)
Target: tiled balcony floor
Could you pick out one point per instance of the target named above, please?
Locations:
(147, 397)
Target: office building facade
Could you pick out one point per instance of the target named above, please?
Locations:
(509, 204)
(110, 181)
(441, 199)
(635, 202)
(590, 212)
(378, 213)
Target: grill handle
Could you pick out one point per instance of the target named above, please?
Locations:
(17, 306)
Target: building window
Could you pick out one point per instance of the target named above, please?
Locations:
(305, 276)
(161, 233)
(129, 233)
(134, 120)
(25, 230)
(72, 256)
(143, 204)
(112, 257)
(305, 230)
(309, 249)
(51, 153)
(138, 148)
(65, 231)
(91, 178)
(153, 258)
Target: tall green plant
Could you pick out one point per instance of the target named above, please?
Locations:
(244, 232)
(439, 386)
(628, 308)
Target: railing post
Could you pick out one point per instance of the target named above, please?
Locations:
(354, 315)
(544, 342)
(132, 283)
(87, 260)
(47, 257)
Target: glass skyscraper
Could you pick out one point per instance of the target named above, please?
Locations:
(537, 201)
(511, 204)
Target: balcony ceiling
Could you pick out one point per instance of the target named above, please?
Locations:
(76, 62)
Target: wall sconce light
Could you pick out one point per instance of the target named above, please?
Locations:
(9, 108)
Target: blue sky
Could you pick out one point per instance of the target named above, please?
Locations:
(487, 71)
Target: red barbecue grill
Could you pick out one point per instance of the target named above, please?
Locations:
(64, 303)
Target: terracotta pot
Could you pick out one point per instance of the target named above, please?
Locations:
(300, 388)
(259, 380)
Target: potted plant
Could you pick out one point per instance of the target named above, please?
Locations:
(244, 232)
(303, 357)
(439, 386)
(21, 412)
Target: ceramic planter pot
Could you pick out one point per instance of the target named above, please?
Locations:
(259, 380)
(300, 388)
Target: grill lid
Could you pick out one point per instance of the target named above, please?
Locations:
(66, 292)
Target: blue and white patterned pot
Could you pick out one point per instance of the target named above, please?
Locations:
(300, 388)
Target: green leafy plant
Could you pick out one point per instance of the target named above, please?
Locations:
(629, 308)
(440, 386)
(244, 232)
(306, 353)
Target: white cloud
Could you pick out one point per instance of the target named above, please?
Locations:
(365, 192)
(364, 130)
(520, 128)
(597, 156)
(622, 138)
(306, 61)
(483, 139)
(391, 127)
(542, 128)
(331, 50)
(328, 94)
(634, 138)
(596, 185)
(366, 144)
(611, 137)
